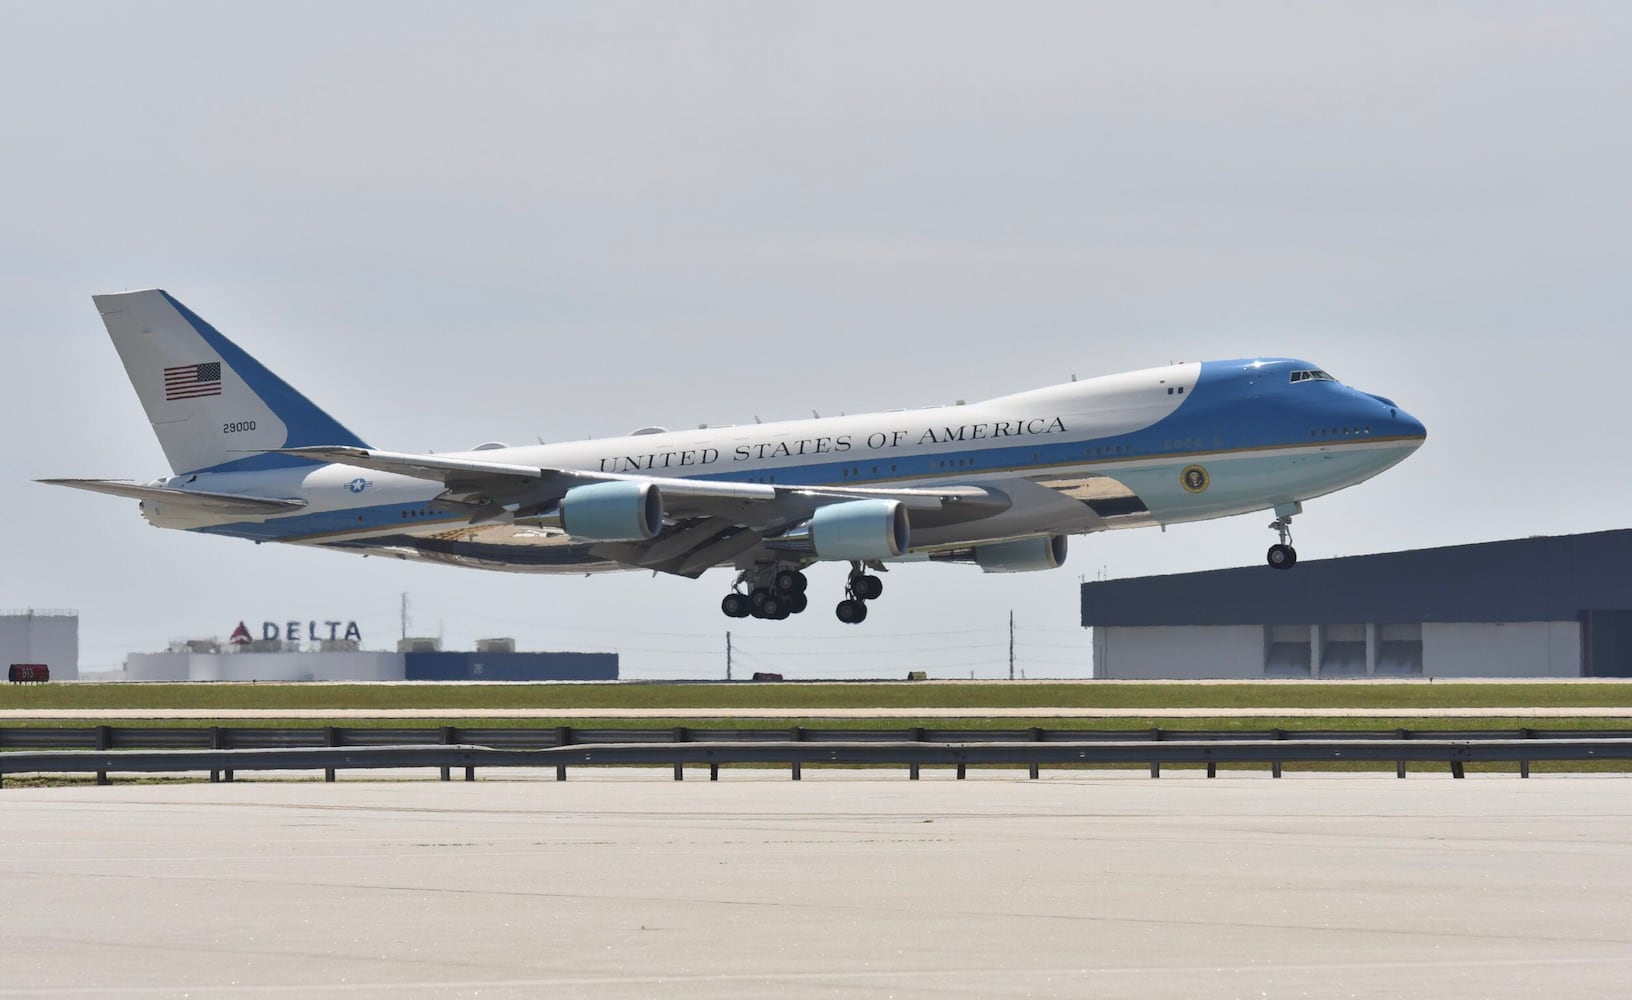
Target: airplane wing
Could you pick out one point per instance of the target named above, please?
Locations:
(209, 503)
(504, 483)
(710, 520)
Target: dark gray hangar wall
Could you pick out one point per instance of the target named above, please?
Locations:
(511, 666)
(1564, 578)
(1554, 578)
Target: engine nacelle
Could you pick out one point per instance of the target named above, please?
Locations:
(860, 529)
(1024, 556)
(613, 512)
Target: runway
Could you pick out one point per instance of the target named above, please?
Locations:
(627, 883)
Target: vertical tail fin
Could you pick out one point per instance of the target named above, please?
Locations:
(213, 407)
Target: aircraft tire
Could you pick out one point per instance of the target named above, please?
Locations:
(1282, 557)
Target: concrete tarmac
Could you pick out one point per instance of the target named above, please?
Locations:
(628, 884)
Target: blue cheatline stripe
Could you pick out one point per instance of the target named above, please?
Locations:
(307, 424)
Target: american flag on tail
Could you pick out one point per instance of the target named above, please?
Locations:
(192, 381)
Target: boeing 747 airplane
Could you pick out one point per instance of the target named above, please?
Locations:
(999, 484)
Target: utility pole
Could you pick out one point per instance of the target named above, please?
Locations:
(405, 614)
(728, 656)
(1011, 644)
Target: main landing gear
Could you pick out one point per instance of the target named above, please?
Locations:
(774, 593)
(860, 588)
(1283, 555)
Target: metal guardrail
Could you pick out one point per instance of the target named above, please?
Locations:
(110, 737)
(796, 753)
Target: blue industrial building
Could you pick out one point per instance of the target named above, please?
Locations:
(483, 666)
(1553, 606)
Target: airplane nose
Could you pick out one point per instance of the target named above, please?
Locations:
(1398, 423)
(1407, 426)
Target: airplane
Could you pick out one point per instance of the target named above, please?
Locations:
(999, 484)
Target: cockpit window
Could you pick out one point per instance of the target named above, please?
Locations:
(1312, 376)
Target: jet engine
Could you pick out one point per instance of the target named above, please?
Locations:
(860, 529)
(612, 512)
(854, 529)
(1024, 556)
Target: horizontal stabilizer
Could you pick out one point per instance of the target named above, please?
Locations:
(210, 503)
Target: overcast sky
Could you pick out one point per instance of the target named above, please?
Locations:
(450, 224)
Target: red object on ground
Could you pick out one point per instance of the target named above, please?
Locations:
(29, 673)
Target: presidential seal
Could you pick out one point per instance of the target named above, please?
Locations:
(1194, 478)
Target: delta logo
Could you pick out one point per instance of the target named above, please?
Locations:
(295, 631)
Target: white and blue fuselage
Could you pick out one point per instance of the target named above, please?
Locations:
(1254, 434)
(999, 483)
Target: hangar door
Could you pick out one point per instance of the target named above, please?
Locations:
(1606, 643)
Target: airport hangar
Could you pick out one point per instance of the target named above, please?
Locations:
(1551, 606)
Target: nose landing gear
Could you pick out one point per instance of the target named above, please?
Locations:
(1283, 555)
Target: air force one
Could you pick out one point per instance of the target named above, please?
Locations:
(999, 484)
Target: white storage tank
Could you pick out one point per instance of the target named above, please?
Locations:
(36, 635)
